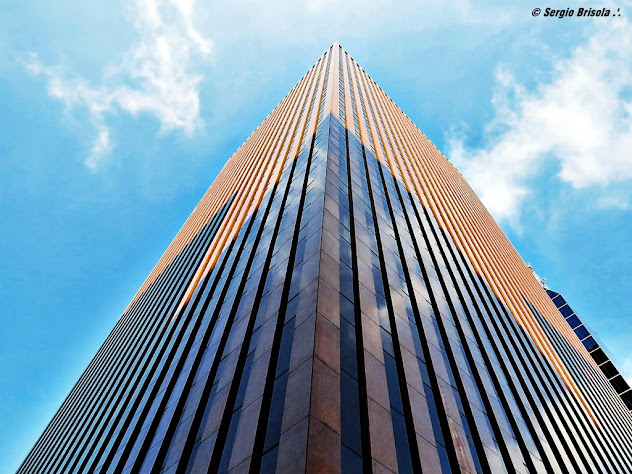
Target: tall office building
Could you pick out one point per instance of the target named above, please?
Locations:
(339, 300)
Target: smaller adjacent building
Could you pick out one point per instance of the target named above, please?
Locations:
(593, 347)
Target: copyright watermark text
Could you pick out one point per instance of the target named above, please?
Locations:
(580, 12)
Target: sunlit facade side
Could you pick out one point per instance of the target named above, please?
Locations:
(339, 301)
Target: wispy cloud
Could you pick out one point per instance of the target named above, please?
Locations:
(335, 19)
(579, 123)
(156, 76)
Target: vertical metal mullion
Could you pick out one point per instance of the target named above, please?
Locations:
(227, 418)
(95, 368)
(553, 426)
(482, 458)
(610, 423)
(564, 416)
(121, 424)
(359, 341)
(191, 256)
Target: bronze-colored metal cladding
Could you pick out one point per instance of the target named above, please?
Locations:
(339, 301)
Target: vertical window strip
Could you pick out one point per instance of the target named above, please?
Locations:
(405, 438)
(582, 427)
(572, 458)
(230, 421)
(580, 365)
(350, 409)
(173, 383)
(265, 450)
(349, 397)
(451, 365)
(529, 356)
(492, 338)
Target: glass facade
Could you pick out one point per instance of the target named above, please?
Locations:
(340, 301)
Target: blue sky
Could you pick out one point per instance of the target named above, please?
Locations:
(116, 116)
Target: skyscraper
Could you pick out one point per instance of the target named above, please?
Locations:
(339, 300)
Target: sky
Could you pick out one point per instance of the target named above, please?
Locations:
(116, 116)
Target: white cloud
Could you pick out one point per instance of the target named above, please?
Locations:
(580, 122)
(157, 75)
